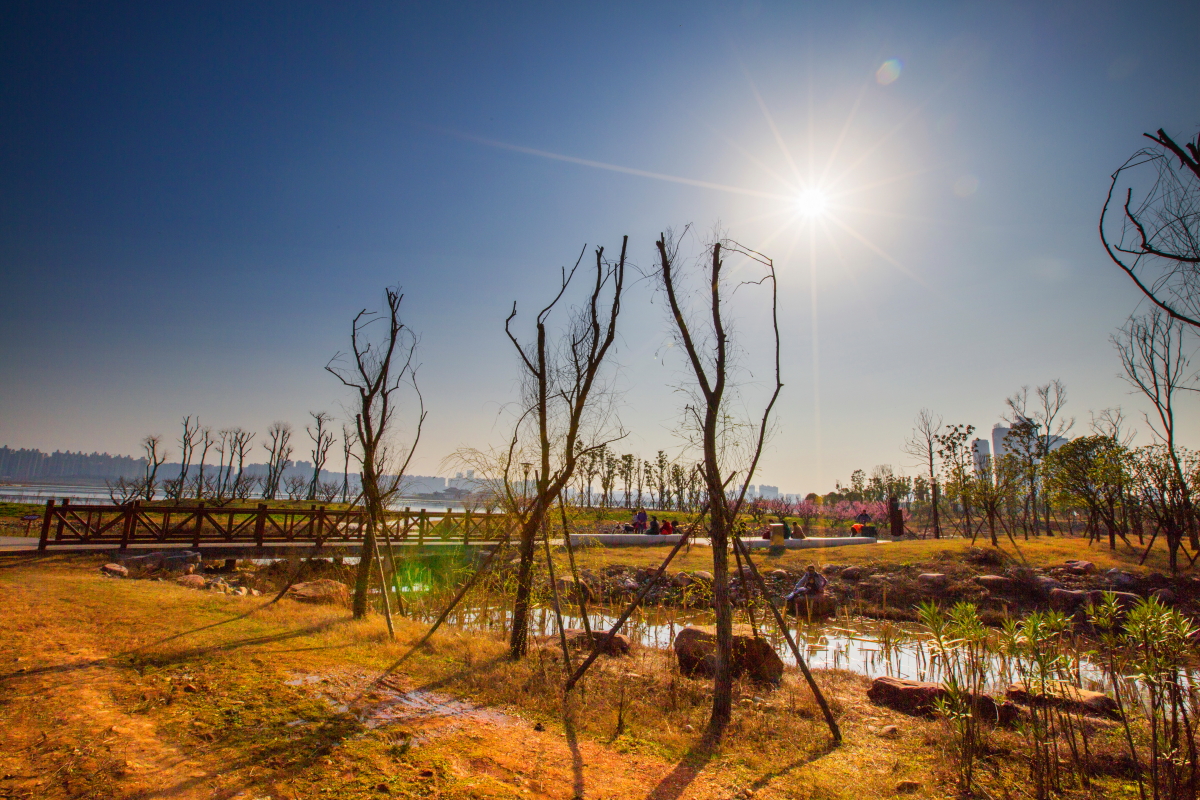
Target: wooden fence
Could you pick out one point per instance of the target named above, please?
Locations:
(67, 525)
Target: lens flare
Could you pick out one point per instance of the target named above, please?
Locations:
(812, 203)
(888, 71)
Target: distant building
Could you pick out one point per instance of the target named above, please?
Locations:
(982, 455)
(768, 492)
(1002, 447)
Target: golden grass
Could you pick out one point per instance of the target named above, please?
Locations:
(116, 688)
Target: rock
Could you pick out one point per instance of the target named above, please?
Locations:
(191, 581)
(888, 732)
(1068, 600)
(701, 575)
(830, 569)
(813, 605)
(851, 573)
(1045, 584)
(997, 584)
(682, 579)
(1064, 695)
(619, 646)
(571, 590)
(174, 561)
(1122, 579)
(1164, 596)
(255, 593)
(779, 574)
(114, 571)
(1081, 567)
(629, 585)
(696, 647)
(920, 698)
(907, 787)
(932, 580)
(241, 591)
(321, 591)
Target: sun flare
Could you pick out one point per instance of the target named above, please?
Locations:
(812, 203)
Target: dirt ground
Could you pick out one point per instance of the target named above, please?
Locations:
(146, 689)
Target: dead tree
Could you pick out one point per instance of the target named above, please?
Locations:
(923, 445)
(347, 451)
(377, 371)
(560, 381)
(154, 459)
(1156, 362)
(279, 451)
(730, 446)
(322, 440)
(187, 446)
(1155, 237)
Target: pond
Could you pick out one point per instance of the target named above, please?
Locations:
(866, 646)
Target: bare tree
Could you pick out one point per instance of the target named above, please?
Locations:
(154, 459)
(730, 446)
(559, 408)
(923, 446)
(1155, 238)
(206, 441)
(279, 451)
(322, 440)
(187, 445)
(239, 442)
(377, 371)
(347, 454)
(1157, 364)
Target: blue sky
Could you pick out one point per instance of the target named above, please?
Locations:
(196, 198)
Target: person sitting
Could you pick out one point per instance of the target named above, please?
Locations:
(857, 529)
(654, 527)
(667, 528)
(810, 583)
(787, 529)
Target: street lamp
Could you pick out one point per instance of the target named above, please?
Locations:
(525, 483)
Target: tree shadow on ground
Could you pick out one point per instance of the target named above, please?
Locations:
(687, 770)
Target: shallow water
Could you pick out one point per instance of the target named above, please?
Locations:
(858, 644)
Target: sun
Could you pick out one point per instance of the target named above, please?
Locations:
(812, 203)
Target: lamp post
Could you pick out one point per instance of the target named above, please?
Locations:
(525, 484)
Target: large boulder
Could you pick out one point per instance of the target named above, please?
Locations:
(696, 651)
(321, 591)
(1045, 584)
(920, 698)
(581, 640)
(1064, 695)
(1069, 600)
(1122, 580)
(851, 573)
(813, 605)
(702, 576)
(1081, 567)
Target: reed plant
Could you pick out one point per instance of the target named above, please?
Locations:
(1147, 657)
(1037, 651)
(961, 642)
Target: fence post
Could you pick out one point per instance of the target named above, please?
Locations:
(466, 526)
(130, 520)
(407, 522)
(46, 524)
(421, 529)
(260, 524)
(62, 521)
(199, 523)
(320, 524)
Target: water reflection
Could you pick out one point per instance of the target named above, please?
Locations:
(866, 646)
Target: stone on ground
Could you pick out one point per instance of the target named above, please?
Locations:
(753, 656)
(321, 591)
(115, 571)
(998, 584)
(1064, 695)
(920, 698)
(191, 581)
(619, 646)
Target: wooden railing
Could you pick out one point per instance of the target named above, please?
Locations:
(65, 525)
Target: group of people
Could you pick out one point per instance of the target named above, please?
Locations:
(643, 523)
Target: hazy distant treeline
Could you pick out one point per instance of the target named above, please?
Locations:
(28, 464)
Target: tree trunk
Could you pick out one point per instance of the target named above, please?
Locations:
(937, 526)
(722, 707)
(518, 641)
